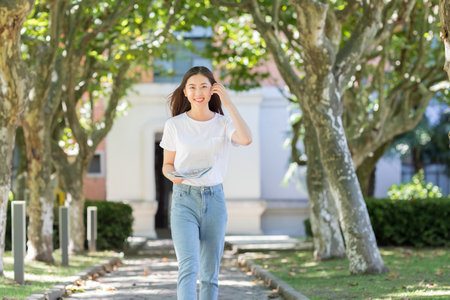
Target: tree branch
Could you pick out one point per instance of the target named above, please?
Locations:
(349, 10)
(444, 16)
(296, 129)
(99, 134)
(235, 4)
(107, 24)
(361, 40)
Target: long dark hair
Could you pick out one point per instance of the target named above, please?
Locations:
(178, 101)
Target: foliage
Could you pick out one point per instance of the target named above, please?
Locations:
(417, 188)
(415, 222)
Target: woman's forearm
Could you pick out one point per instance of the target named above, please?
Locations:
(243, 133)
(167, 169)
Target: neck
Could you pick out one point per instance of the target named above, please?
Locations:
(200, 115)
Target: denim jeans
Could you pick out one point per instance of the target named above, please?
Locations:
(198, 220)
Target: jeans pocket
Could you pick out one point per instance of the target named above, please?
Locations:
(219, 197)
(178, 194)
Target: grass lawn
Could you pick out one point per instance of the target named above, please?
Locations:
(414, 274)
(40, 276)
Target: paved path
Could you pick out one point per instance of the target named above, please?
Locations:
(155, 277)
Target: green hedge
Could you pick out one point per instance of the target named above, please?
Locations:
(115, 224)
(115, 221)
(417, 222)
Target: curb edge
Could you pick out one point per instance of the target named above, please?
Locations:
(59, 289)
(288, 292)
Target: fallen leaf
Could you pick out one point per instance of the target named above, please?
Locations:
(145, 272)
(439, 272)
(110, 288)
(353, 284)
(292, 274)
(431, 285)
(78, 282)
(165, 259)
(393, 274)
(303, 271)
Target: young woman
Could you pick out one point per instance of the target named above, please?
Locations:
(199, 137)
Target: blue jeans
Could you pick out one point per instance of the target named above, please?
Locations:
(198, 220)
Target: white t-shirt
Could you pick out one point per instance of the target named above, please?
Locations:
(199, 144)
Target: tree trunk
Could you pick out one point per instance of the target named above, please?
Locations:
(14, 91)
(365, 171)
(75, 201)
(7, 136)
(72, 177)
(40, 208)
(328, 242)
(444, 14)
(322, 104)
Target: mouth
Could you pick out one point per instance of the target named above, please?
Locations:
(199, 100)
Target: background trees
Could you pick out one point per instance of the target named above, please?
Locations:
(15, 88)
(384, 91)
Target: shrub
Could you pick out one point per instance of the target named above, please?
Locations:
(417, 188)
(115, 224)
(415, 222)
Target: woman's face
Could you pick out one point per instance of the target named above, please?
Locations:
(198, 90)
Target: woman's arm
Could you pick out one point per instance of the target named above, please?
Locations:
(242, 135)
(168, 166)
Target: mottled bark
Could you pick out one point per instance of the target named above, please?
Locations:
(14, 92)
(38, 123)
(41, 191)
(327, 237)
(444, 14)
(75, 202)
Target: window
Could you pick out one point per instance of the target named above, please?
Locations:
(185, 58)
(96, 168)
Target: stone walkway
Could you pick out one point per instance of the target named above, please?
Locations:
(154, 276)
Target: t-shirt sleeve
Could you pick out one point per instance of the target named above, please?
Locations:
(168, 138)
(230, 129)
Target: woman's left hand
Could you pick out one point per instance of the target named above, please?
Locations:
(222, 92)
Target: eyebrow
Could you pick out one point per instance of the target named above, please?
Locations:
(200, 83)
